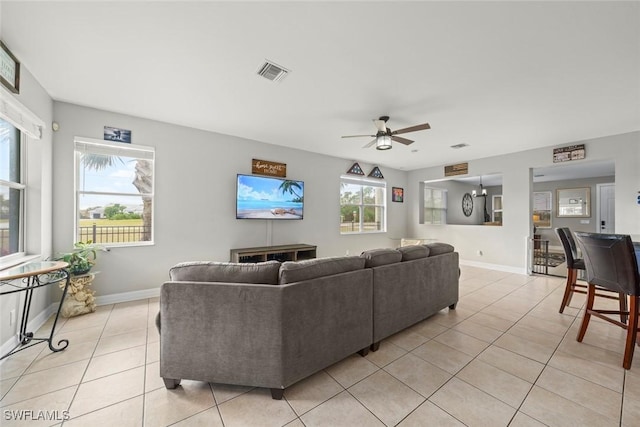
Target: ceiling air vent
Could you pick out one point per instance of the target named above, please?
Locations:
(273, 72)
(457, 146)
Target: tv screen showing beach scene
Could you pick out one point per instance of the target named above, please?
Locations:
(262, 197)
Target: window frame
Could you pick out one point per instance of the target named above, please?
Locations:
(428, 220)
(22, 188)
(116, 147)
(364, 182)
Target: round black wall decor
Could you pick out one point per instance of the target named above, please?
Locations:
(467, 204)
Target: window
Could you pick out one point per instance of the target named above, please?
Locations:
(435, 206)
(11, 190)
(114, 192)
(362, 205)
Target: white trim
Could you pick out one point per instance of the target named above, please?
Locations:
(498, 267)
(127, 296)
(20, 116)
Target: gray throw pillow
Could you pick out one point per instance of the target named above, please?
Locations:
(229, 272)
(378, 257)
(409, 253)
(292, 271)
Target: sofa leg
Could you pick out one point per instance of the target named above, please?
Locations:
(277, 393)
(364, 352)
(453, 306)
(375, 346)
(171, 383)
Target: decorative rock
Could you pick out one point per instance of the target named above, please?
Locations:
(80, 299)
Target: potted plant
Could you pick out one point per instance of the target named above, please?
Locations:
(80, 298)
(81, 258)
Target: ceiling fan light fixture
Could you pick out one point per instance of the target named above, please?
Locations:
(383, 142)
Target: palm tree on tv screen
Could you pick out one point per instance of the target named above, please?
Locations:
(289, 186)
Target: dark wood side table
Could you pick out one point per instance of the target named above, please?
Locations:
(25, 278)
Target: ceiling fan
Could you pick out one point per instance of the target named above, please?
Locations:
(384, 136)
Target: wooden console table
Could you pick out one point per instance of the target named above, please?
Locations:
(278, 253)
(25, 278)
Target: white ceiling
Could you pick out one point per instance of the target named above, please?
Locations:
(499, 76)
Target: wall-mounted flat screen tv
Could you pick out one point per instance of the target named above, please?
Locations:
(263, 197)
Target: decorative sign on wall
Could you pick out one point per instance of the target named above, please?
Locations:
(265, 167)
(566, 154)
(355, 169)
(9, 69)
(118, 135)
(376, 173)
(459, 169)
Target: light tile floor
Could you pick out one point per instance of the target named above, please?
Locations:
(505, 356)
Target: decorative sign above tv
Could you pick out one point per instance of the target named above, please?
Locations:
(459, 169)
(9, 69)
(265, 167)
(566, 154)
(263, 197)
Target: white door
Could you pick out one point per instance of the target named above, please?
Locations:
(606, 194)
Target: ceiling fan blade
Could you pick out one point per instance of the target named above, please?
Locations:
(380, 125)
(415, 128)
(369, 144)
(402, 140)
(357, 136)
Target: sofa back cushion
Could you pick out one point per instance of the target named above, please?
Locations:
(229, 272)
(409, 253)
(438, 248)
(297, 271)
(378, 257)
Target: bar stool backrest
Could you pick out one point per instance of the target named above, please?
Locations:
(569, 245)
(610, 261)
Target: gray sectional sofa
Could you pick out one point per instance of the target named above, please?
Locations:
(273, 324)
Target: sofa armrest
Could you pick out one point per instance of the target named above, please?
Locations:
(221, 332)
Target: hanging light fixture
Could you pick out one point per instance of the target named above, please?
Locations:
(483, 191)
(383, 142)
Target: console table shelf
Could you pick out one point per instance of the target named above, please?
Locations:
(296, 252)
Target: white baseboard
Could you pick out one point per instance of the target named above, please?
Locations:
(506, 268)
(33, 325)
(127, 296)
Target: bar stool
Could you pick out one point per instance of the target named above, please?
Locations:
(573, 265)
(611, 263)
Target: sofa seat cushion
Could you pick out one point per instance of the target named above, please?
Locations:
(297, 271)
(409, 253)
(378, 257)
(438, 248)
(229, 272)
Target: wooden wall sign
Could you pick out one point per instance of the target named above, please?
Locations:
(264, 167)
(9, 69)
(459, 169)
(566, 154)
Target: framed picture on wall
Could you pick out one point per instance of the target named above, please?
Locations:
(397, 194)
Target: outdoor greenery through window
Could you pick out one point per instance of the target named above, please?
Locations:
(435, 206)
(362, 205)
(11, 190)
(114, 192)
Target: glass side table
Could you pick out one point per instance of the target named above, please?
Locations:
(26, 278)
